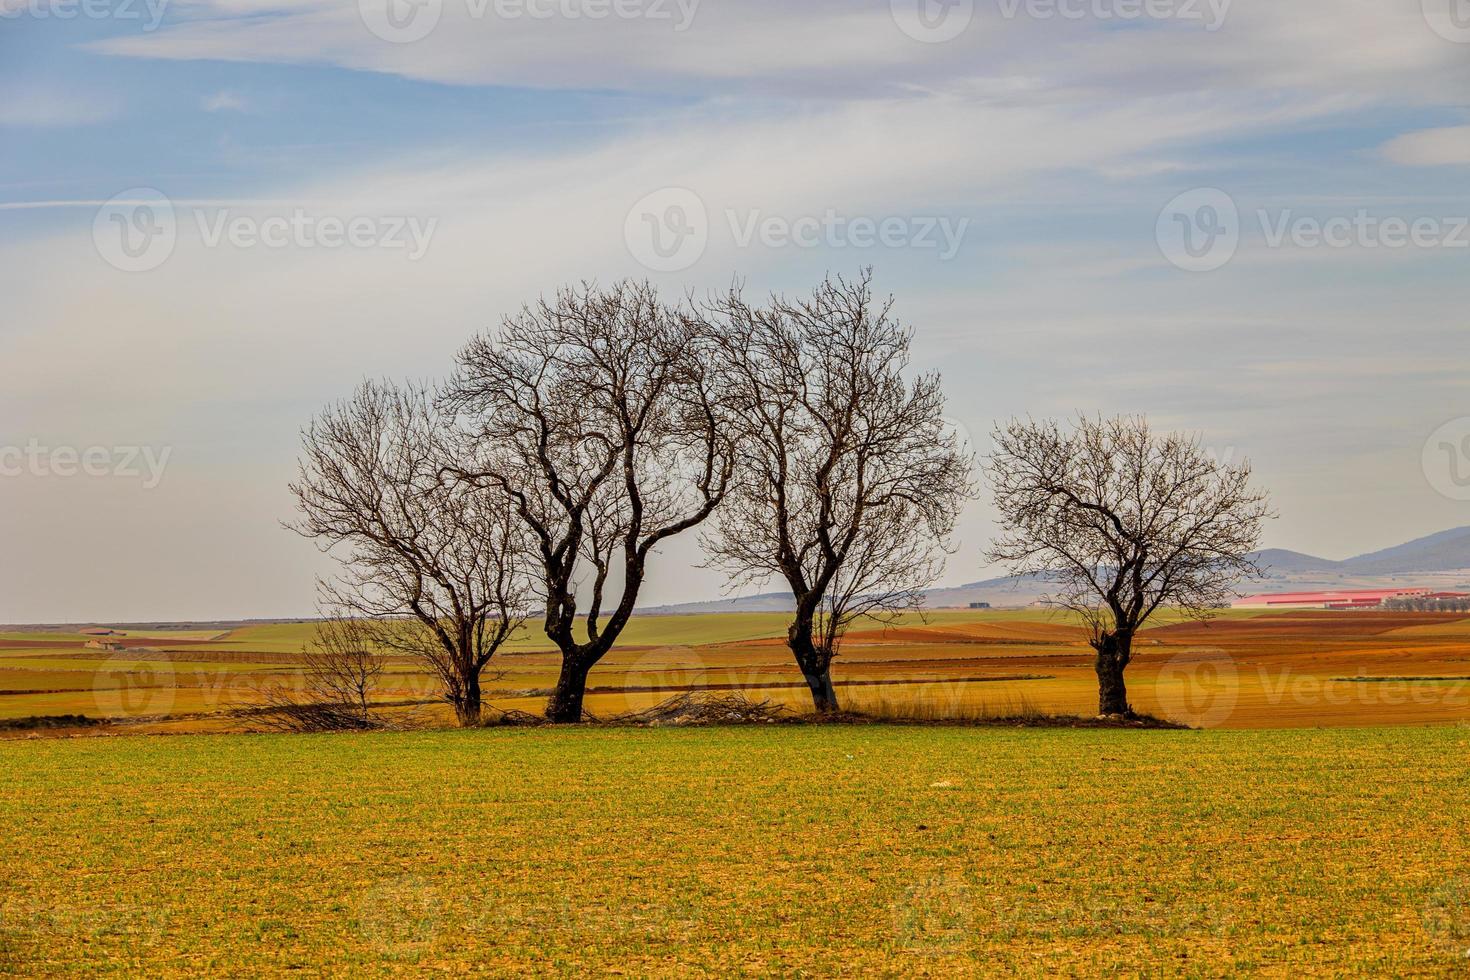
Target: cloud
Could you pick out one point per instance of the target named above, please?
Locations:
(1449, 146)
(225, 101)
(1378, 49)
(1060, 139)
(238, 346)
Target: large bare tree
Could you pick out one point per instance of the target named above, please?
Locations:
(848, 481)
(1126, 522)
(601, 404)
(431, 568)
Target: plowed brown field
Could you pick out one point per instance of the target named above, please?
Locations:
(1241, 671)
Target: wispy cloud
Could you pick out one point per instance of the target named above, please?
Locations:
(1384, 49)
(1449, 146)
(1059, 140)
(225, 101)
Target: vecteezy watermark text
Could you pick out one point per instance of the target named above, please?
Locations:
(668, 230)
(138, 230)
(149, 12)
(832, 229)
(407, 21)
(937, 21)
(303, 229)
(1201, 230)
(146, 463)
(1209, 13)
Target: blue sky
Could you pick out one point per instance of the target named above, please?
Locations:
(1050, 143)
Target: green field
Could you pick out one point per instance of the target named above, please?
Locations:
(790, 850)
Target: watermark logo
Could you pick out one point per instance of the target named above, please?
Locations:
(1450, 19)
(125, 686)
(1210, 13)
(932, 21)
(149, 12)
(1199, 230)
(668, 230)
(400, 21)
(145, 463)
(1446, 917)
(835, 230)
(407, 21)
(1446, 459)
(401, 914)
(1204, 684)
(954, 428)
(306, 229)
(934, 916)
(78, 922)
(662, 674)
(1362, 229)
(136, 230)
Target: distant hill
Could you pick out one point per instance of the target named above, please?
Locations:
(1442, 552)
(1433, 560)
(1279, 561)
(765, 602)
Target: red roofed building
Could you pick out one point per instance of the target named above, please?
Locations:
(1336, 599)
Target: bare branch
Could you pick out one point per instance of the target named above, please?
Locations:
(848, 484)
(1126, 522)
(598, 408)
(438, 569)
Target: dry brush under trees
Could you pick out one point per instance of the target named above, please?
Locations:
(339, 679)
(599, 423)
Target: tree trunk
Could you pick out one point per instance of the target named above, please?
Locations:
(815, 664)
(1113, 653)
(824, 698)
(565, 704)
(467, 708)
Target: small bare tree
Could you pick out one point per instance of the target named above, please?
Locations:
(848, 484)
(339, 679)
(432, 569)
(1126, 522)
(600, 407)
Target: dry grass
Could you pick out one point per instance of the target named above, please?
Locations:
(770, 850)
(1017, 707)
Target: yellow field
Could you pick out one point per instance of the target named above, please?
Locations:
(763, 851)
(1245, 670)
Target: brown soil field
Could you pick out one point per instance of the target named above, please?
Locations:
(1259, 670)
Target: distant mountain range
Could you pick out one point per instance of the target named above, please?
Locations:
(1447, 551)
(1440, 561)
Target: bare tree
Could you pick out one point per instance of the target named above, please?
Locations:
(848, 483)
(338, 682)
(433, 569)
(1126, 522)
(600, 404)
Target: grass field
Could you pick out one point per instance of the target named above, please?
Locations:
(824, 851)
(1248, 669)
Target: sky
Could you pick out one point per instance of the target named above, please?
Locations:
(1243, 218)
